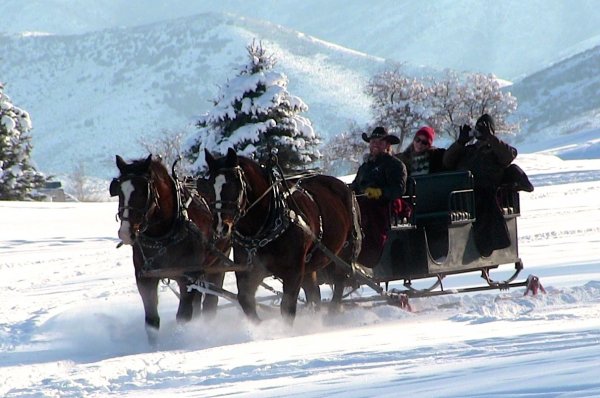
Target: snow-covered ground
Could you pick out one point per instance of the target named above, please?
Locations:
(71, 320)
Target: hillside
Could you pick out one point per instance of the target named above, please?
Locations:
(561, 99)
(92, 96)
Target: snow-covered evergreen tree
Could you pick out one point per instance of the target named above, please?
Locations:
(18, 178)
(255, 114)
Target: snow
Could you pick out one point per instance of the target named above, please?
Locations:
(72, 320)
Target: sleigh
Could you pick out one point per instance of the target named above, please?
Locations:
(437, 240)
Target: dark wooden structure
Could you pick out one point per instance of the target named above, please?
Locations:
(437, 240)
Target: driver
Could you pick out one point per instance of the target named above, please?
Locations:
(379, 183)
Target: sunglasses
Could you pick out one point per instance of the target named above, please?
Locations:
(421, 141)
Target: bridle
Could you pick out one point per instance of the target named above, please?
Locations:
(145, 211)
(275, 222)
(235, 208)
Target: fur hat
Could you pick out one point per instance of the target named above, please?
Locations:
(486, 119)
(381, 132)
(427, 132)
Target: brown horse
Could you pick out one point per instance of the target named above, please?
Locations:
(278, 228)
(169, 228)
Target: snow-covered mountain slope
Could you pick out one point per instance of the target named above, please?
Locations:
(511, 38)
(97, 94)
(566, 90)
(92, 96)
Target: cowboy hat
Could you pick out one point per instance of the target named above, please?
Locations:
(381, 133)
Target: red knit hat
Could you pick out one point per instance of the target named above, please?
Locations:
(427, 132)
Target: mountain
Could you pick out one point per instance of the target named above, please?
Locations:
(560, 103)
(111, 74)
(510, 38)
(94, 95)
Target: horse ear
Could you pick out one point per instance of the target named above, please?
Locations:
(210, 159)
(232, 159)
(120, 163)
(148, 162)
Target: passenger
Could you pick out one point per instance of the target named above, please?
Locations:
(379, 183)
(487, 158)
(421, 157)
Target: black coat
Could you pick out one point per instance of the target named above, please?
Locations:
(435, 159)
(487, 160)
(384, 172)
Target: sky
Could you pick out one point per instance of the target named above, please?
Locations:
(72, 320)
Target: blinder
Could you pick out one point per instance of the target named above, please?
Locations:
(114, 187)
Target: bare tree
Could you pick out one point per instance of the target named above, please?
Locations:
(166, 144)
(483, 94)
(344, 151)
(84, 188)
(404, 103)
(400, 102)
(78, 182)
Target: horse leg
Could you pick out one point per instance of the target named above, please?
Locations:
(339, 282)
(289, 301)
(209, 309)
(148, 289)
(312, 291)
(186, 301)
(247, 283)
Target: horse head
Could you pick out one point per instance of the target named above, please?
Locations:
(140, 186)
(229, 190)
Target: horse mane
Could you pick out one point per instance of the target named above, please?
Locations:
(155, 169)
(158, 169)
(248, 163)
(252, 166)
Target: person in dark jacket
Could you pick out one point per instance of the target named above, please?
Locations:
(379, 183)
(421, 157)
(487, 158)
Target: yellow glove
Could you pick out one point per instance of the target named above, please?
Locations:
(373, 193)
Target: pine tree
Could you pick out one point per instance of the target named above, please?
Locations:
(255, 115)
(18, 178)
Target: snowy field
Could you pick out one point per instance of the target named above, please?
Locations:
(71, 320)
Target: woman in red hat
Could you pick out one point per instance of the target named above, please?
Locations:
(421, 157)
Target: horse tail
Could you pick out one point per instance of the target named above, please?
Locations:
(355, 236)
